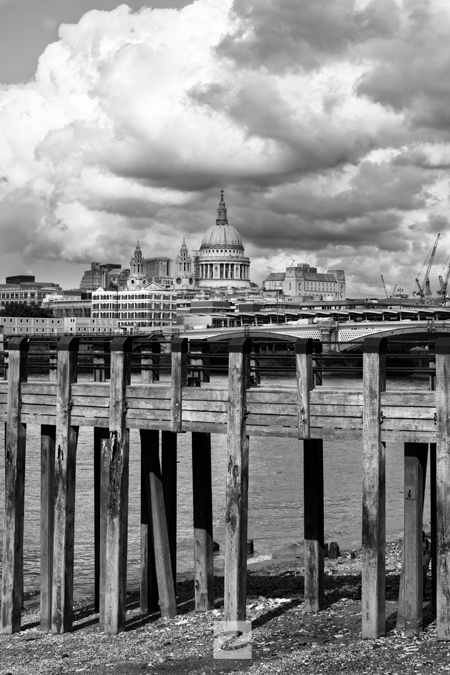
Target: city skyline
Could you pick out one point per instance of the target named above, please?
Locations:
(327, 128)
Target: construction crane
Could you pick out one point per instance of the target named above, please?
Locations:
(424, 290)
(444, 282)
(384, 285)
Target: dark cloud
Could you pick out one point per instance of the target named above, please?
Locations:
(300, 34)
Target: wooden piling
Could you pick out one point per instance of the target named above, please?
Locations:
(101, 438)
(203, 522)
(179, 379)
(149, 586)
(150, 355)
(236, 509)
(415, 471)
(169, 481)
(48, 444)
(304, 369)
(115, 591)
(374, 491)
(65, 463)
(15, 443)
(443, 488)
(433, 511)
(100, 361)
(313, 524)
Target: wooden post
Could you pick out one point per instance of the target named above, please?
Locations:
(318, 375)
(237, 482)
(114, 617)
(433, 510)
(65, 464)
(164, 575)
(150, 361)
(415, 471)
(374, 491)
(313, 524)
(100, 361)
(15, 443)
(416, 456)
(203, 522)
(48, 441)
(101, 436)
(149, 584)
(169, 480)
(303, 361)
(255, 374)
(179, 379)
(443, 488)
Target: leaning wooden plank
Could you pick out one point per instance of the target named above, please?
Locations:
(15, 439)
(48, 442)
(149, 586)
(169, 480)
(166, 588)
(374, 496)
(64, 525)
(113, 620)
(236, 509)
(101, 437)
(442, 488)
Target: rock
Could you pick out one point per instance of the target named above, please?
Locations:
(333, 550)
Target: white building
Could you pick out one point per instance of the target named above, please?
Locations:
(304, 281)
(140, 305)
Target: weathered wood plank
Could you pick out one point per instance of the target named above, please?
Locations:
(275, 431)
(254, 396)
(149, 586)
(337, 422)
(374, 496)
(91, 389)
(38, 399)
(272, 409)
(91, 411)
(335, 397)
(443, 488)
(164, 575)
(424, 399)
(204, 394)
(103, 507)
(208, 406)
(205, 427)
(149, 404)
(48, 443)
(412, 412)
(117, 509)
(412, 600)
(336, 411)
(313, 524)
(409, 424)
(149, 391)
(150, 360)
(38, 388)
(200, 416)
(38, 410)
(82, 421)
(305, 382)
(90, 401)
(64, 524)
(236, 509)
(272, 420)
(15, 440)
(203, 522)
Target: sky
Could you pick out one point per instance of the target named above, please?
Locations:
(326, 123)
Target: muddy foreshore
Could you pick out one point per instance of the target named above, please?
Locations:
(284, 638)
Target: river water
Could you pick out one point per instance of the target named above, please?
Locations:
(275, 496)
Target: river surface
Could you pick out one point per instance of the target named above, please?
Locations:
(275, 495)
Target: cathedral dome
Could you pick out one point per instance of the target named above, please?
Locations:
(222, 234)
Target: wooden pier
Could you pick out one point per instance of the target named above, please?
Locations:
(188, 401)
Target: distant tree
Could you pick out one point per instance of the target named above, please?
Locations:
(21, 309)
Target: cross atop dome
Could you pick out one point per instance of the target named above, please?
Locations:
(222, 218)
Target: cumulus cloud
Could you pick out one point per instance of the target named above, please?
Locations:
(326, 123)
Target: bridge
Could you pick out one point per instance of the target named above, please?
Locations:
(348, 335)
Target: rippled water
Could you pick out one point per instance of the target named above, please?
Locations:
(275, 496)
